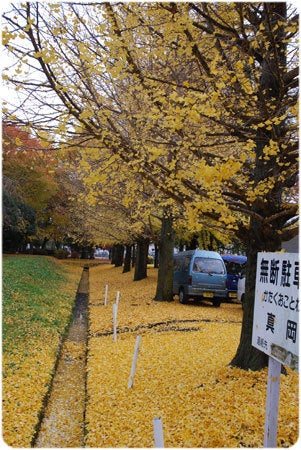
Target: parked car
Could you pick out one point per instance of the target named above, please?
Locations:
(235, 264)
(200, 274)
(101, 254)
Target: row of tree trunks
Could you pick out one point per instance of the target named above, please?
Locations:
(126, 255)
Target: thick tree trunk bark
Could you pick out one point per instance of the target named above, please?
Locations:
(127, 259)
(117, 255)
(156, 257)
(263, 236)
(248, 357)
(165, 272)
(141, 259)
(134, 252)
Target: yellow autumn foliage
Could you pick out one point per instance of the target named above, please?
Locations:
(182, 373)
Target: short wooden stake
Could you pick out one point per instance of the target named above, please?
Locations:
(134, 363)
(106, 295)
(272, 401)
(158, 432)
(115, 308)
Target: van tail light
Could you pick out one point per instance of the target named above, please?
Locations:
(190, 280)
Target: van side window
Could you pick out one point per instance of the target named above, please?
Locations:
(178, 263)
(182, 263)
(186, 263)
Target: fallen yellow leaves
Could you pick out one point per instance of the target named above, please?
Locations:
(182, 376)
(63, 425)
(182, 373)
(24, 386)
(28, 362)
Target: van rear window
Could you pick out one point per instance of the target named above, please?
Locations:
(208, 265)
(234, 268)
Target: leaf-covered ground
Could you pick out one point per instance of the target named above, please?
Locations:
(182, 373)
(38, 294)
(62, 424)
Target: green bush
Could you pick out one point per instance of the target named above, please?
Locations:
(150, 259)
(61, 253)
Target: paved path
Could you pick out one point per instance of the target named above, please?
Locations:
(63, 419)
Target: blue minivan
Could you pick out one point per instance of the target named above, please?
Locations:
(235, 264)
(200, 274)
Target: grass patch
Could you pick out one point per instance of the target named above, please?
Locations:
(37, 294)
(33, 299)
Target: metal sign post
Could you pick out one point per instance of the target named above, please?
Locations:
(134, 363)
(158, 432)
(272, 401)
(115, 309)
(106, 295)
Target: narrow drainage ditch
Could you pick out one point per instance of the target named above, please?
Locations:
(63, 418)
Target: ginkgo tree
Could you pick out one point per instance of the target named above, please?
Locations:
(199, 98)
(110, 186)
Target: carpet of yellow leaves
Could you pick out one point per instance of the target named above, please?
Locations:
(182, 373)
(62, 426)
(63, 420)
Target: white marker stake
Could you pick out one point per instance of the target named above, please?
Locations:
(134, 363)
(106, 295)
(115, 308)
(272, 400)
(117, 297)
(158, 432)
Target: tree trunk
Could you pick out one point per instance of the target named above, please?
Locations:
(263, 236)
(127, 259)
(248, 357)
(156, 257)
(134, 251)
(117, 255)
(141, 259)
(193, 244)
(165, 272)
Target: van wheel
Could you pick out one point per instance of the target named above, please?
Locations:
(182, 296)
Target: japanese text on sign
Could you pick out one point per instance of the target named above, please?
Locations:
(276, 309)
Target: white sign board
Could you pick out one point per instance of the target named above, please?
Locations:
(276, 308)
